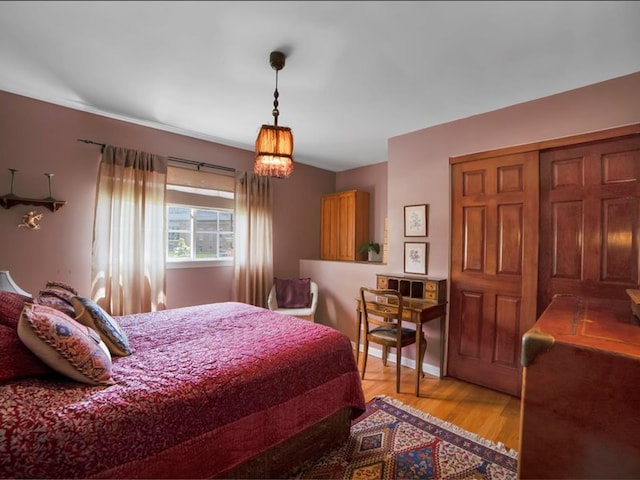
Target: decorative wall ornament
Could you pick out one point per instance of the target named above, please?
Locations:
(31, 220)
(10, 199)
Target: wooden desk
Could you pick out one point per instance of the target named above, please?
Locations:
(417, 312)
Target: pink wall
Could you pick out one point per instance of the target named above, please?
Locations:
(372, 179)
(419, 161)
(418, 172)
(38, 137)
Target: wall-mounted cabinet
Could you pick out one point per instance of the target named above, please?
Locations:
(345, 225)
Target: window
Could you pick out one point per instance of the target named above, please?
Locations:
(197, 233)
(200, 224)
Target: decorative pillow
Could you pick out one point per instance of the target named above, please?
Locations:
(11, 305)
(16, 361)
(57, 295)
(61, 286)
(67, 346)
(293, 292)
(92, 315)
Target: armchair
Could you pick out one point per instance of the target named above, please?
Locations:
(306, 313)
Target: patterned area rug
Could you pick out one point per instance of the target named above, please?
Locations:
(392, 441)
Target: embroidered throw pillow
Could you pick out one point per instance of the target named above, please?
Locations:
(61, 286)
(92, 315)
(16, 361)
(67, 346)
(293, 292)
(57, 295)
(11, 304)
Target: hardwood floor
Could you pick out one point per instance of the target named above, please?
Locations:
(490, 414)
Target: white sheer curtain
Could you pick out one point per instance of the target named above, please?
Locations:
(129, 241)
(253, 251)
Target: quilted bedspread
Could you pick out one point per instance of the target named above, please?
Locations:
(221, 381)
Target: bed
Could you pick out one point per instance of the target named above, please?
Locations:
(219, 390)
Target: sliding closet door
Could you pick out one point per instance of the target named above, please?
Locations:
(493, 268)
(589, 220)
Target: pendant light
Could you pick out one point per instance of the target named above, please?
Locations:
(274, 144)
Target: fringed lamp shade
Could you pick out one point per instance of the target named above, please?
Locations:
(274, 150)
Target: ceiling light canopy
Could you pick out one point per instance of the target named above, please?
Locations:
(274, 145)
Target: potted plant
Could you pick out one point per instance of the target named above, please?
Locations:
(372, 249)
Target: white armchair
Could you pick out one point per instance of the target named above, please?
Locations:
(304, 313)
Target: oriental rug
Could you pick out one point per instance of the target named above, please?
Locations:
(392, 440)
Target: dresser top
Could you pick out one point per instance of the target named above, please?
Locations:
(593, 323)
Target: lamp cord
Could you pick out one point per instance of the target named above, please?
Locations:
(275, 110)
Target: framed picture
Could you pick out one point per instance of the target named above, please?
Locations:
(415, 257)
(415, 220)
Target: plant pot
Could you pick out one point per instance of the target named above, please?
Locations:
(375, 257)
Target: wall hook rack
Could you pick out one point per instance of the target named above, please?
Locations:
(11, 200)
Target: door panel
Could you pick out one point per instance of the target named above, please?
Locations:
(510, 241)
(329, 231)
(567, 231)
(346, 225)
(494, 261)
(507, 322)
(471, 338)
(474, 234)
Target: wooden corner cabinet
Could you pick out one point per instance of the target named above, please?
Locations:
(344, 225)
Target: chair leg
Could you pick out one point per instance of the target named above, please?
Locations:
(398, 369)
(385, 355)
(423, 347)
(366, 355)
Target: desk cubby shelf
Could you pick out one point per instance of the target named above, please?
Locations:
(422, 288)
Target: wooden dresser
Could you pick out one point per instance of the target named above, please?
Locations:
(581, 391)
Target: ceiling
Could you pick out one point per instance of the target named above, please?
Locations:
(356, 74)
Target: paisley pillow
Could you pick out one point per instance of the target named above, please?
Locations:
(92, 315)
(57, 295)
(67, 346)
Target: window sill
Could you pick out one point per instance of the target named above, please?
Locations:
(175, 265)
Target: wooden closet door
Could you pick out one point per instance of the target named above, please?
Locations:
(589, 220)
(493, 268)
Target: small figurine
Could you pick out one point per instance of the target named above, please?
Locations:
(31, 220)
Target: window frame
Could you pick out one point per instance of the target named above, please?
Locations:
(178, 262)
(188, 189)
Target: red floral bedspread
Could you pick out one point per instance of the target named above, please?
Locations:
(219, 382)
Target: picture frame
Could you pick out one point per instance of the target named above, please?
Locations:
(415, 257)
(415, 220)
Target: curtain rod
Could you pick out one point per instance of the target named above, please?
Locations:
(174, 159)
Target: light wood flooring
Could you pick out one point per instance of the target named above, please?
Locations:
(490, 414)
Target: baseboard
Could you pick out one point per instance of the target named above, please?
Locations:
(407, 362)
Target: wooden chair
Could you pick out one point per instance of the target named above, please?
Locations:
(382, 312)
